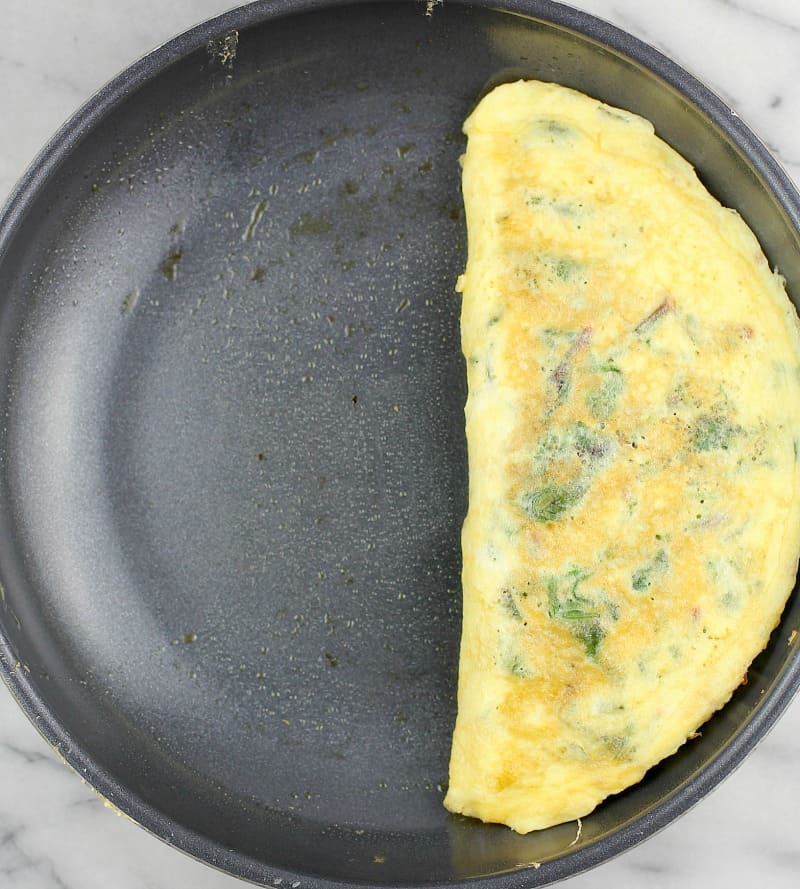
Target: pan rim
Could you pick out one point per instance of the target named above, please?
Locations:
(59, 147)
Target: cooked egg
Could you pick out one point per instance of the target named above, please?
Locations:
(633, 425)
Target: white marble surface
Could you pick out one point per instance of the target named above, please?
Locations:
(54, 833)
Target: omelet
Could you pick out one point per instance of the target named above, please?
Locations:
(633, 425)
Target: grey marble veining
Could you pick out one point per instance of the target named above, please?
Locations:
(54, 832)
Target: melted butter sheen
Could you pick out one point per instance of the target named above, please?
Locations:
(632, 425)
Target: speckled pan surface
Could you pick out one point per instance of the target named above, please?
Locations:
(232, 462)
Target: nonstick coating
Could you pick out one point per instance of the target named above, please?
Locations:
(233, 466)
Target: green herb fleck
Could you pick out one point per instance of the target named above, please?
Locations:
(517, 667)
(642, 579)
(548, 504)
(555, 337)
(560, 129)
(577, 614)
(581, 613)
(509, 605)
(712, 433)
(549, 447)
(566, 269)
(602, 401)
(572, 605)
(555, 130)
(590, 634)
(617, 746)
(562, 208)
(575, 577)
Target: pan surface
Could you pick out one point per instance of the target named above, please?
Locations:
(232, 460)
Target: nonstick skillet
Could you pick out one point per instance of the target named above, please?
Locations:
(232, 464)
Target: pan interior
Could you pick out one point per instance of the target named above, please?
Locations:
(233, 463)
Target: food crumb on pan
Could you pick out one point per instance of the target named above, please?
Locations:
(579, 832)
(224, 49)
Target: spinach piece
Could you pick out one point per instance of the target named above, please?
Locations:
(517, 667)
(549, 503)
(581, 614)
(642, 579)
(548, 500)
(590, 634)
(712, 433)
(509, 605)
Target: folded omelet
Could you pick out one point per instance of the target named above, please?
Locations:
(633, 424)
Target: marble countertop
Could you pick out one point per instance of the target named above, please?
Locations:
(54, 832)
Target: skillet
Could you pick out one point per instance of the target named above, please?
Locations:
(233, 467)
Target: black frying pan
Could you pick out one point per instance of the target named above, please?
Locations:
(232, 462)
